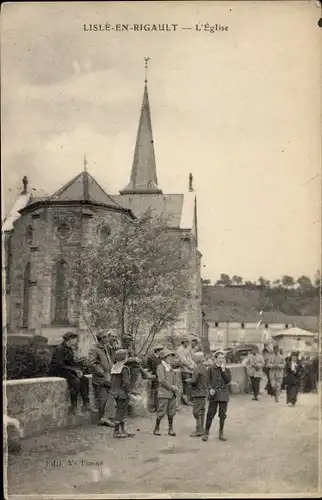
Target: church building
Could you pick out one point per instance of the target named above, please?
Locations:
(43, 236)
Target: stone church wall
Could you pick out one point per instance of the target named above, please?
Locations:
(43, 251)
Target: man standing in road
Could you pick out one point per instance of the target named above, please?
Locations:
(187, 366)
(195, 344)
(276, 365)
(101, 364)
(254, 364)
(166, 392)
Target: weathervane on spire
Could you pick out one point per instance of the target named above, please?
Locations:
(146, 60)
(85, 162)
(190, 182)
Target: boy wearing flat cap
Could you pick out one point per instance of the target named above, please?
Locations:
(121, 390)
(63, 364)
(167, 392)
(219, 378)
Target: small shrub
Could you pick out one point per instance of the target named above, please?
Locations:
(28, 361)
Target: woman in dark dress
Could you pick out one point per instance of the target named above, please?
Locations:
(294, 372)
(266, 370)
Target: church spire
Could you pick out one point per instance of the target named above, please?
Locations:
(144, 174)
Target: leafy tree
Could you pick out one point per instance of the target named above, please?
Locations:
(205, 281)
(251, 285)
(136, 281)
(317, 279)
(224, 280)
(263, 283)
(288, 281)
(238, 280)
(304, 282)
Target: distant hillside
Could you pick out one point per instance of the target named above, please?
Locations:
(279, 305)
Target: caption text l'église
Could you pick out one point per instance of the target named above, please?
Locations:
(167, 27)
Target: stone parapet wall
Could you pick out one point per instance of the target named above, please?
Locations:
(41, 404)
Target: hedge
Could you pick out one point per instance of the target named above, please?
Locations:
(32, 361)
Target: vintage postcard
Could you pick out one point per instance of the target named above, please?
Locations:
(161, 249)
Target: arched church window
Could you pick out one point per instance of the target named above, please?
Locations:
(63, 230)
(101, 291)
(25, 307)
(29, 232)
(60, 294)
(104, 232)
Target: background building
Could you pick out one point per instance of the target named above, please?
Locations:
(296, 339)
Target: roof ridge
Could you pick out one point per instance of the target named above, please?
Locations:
(85, 192)
(66, 186)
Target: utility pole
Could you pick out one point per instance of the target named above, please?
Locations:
(227, 334)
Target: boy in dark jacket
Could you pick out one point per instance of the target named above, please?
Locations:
(120, 390)
(199, 390)
(219, 378)
(153, 362)
(63, 364)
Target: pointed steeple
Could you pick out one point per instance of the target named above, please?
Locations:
(144, 174)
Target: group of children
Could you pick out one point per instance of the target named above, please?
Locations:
(207, 382)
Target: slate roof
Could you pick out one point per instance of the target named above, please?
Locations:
(223, 314)
(294, 332)
(83, 187)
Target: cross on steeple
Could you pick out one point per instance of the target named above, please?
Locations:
(85, 162)
(146, 60)
(190, 182)
(24, 185)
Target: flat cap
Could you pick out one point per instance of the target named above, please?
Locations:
(198, 356)
(158, 347)
(70, 335)
(120, 354)
(166, 353)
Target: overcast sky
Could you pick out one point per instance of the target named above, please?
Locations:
(240, 109)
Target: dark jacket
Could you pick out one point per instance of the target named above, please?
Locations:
(136, 369)
(293, 377)
(100, 364)
(152, 363)
(63, 361)
(199, 382)
(219, 380)
(121, 383)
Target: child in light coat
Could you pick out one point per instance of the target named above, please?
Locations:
(167, 392)
(199, 391)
